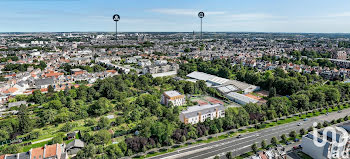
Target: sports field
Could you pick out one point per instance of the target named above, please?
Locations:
(204, 100)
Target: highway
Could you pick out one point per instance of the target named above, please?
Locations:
(243, 144)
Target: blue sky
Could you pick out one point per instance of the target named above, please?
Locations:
(312, 16)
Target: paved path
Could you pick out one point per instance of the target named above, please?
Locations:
(43, 140)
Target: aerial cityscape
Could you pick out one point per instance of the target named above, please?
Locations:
(182, 79)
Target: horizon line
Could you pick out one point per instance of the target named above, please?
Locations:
(176, 32)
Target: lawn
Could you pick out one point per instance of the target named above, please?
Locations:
(27, 148)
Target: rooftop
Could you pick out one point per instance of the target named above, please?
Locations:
(194, 110)
(172, 93)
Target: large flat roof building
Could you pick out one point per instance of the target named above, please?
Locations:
(240, 98)
(216, 81)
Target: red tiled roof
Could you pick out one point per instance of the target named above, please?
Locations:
(262, 155)
(44, 89)
(37, 152)
(11, 90)
(53, 74)
(111, 71)
(51, 150)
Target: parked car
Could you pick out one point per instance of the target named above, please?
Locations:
(288, 143)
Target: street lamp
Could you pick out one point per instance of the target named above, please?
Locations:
(116, 18)
(201, 16)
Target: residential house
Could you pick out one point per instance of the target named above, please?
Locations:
(73, 147)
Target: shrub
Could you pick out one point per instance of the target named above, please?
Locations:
(68, 126)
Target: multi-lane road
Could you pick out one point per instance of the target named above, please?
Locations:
(243, 144)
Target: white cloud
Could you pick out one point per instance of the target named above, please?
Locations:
(344, 14)
(253, 16)
(184, 11)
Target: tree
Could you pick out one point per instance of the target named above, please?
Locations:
(284, 138)
(302, 131)
(103, 122)
(48, 116)
(68, 126)
(224, 72)
(113, 151)
(293, 134)
(264, 144)
(272, 92)
(123, 147)
(42, 65)
(37, 97)
(55, 104)
(50, 89)
(300, 101)
(254, 148)
(102, 137)
(34, 134)
(228, 155)
(101, 106)
(4, 135)
(57, 139)
(216, 157)
(310, 129)
(12, 149)
(274, 141)
(25, 124)
(88, 151)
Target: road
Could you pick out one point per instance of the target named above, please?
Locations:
(242, 145)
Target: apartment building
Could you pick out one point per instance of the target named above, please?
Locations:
(173, 97)
(196, 114)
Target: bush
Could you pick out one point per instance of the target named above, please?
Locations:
(68, 126)
(11, 149)
(57, 140)
(34, 134)
(90, 122)
(340, 120)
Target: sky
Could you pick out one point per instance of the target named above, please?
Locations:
(297, 16)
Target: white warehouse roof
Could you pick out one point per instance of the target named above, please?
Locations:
(241, 97)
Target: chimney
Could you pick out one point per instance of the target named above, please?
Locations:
(44, 151)
(30, 153)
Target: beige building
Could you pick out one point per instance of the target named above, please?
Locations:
(196, 114)
(174, 97)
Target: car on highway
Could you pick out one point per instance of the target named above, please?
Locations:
(339, 111)
(288, 143)
(239, 136)
(306, 119)
(299, 124)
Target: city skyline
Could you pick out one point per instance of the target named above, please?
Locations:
(170, 16)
